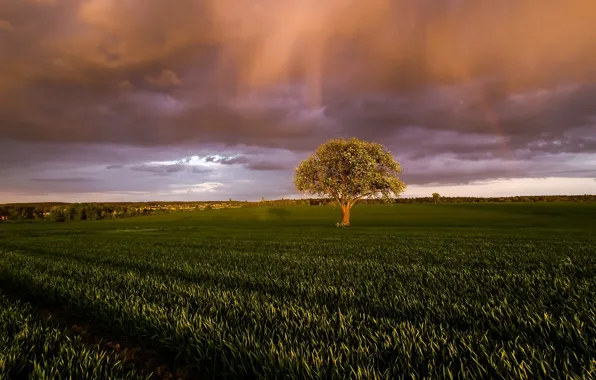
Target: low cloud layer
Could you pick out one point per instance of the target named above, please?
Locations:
(461, 91)
(164, 169)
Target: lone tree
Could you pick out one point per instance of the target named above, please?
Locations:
(349, 170)
(436, 197)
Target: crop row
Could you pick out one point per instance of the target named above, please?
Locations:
(38, 349)
(469, 308)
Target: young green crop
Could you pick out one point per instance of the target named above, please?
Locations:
(322, 303)
(37, 349)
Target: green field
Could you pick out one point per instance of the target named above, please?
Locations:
(426, 290)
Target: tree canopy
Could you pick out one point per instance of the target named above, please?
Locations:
(350, 170)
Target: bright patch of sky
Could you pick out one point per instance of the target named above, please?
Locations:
(205, 187)
(509, 187)
(191, 161)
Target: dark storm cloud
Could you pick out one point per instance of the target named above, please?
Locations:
(482, 81)
(65, 180)
(5, 26)
(21, 156)
(520, 117)
(267, 166)
(446, 170)
(167, 78)
(459, 178)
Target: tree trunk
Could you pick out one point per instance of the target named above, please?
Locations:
(345, 215)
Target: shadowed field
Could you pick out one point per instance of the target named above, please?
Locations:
(469, 290)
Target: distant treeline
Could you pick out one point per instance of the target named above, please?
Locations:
(518, 199)
(64, 212)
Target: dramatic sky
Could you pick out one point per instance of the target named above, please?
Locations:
(217, 99)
